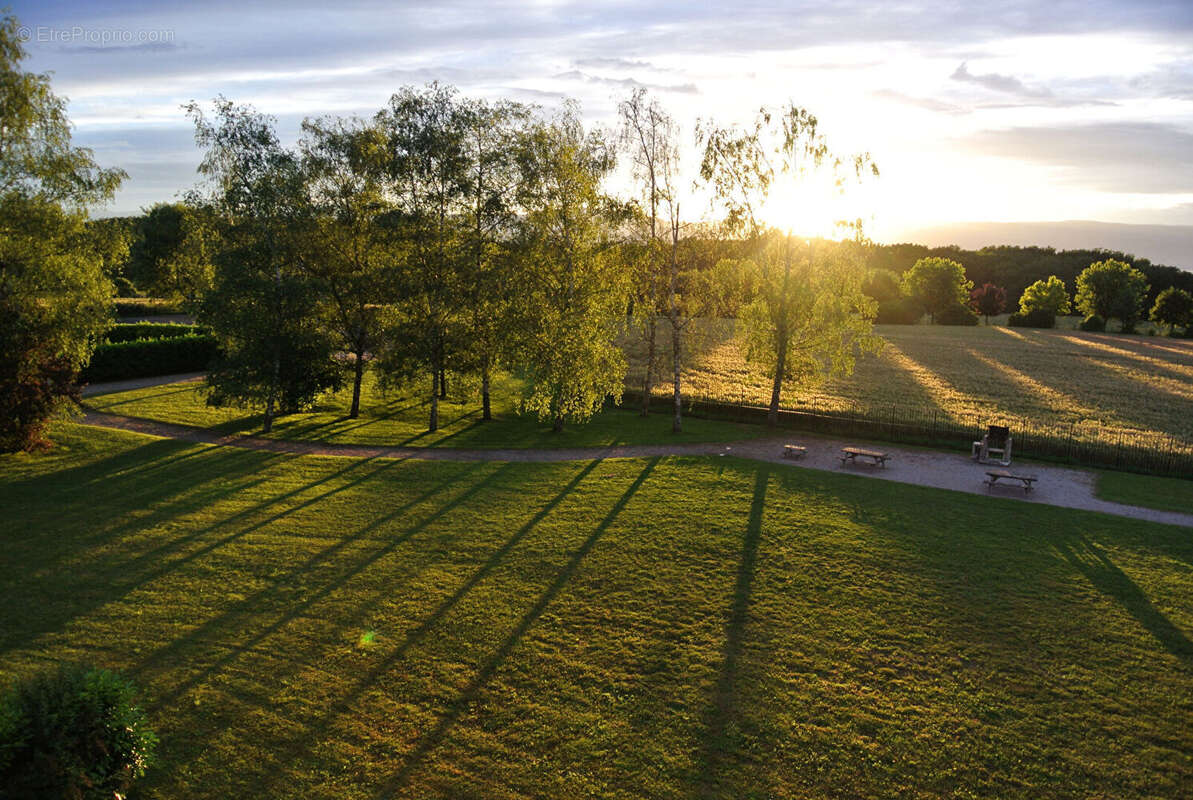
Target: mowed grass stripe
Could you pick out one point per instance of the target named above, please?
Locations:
(679, 627)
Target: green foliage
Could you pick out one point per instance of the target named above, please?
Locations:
(170, 253)
(1112, 289)
(346, 249)
(811, 319)
(129, 331)
(147, 307)
(898, 311)
(1036, 318)
(1092, 323)
(937, 285)
(141, 358)
(72, 733)
(1048, 294)
(957, 315)
(263, 307)
(574, 291)
(54, 292)
(1174, 308)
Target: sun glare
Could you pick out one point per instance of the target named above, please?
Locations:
(813, 207)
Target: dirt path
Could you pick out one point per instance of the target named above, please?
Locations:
(1058, 486)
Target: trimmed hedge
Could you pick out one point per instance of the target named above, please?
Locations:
(147, 307)
(145, 358)
(1036, 318)
(131, 331)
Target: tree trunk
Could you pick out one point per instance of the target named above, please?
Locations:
(442, 384)
(267, 425)
(557, 424)
(650, 356)
(772, 414)
(357, 378)
(486, 410)
(433, 425)
(677, 421)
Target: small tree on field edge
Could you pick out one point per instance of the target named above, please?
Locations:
(988, 300)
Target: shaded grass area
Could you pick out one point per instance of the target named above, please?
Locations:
(1166, 494)
(399, 418)
(685, 627)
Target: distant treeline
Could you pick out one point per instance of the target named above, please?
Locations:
(1016, 268)
(1011, 267)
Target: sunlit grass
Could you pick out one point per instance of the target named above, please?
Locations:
(1100, 384)
(673, 628)
(400, 419)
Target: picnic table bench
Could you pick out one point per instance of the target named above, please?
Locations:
(794, 451)
(994, 476)
(851, 454)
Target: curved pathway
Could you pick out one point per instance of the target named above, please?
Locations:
(1058, 486)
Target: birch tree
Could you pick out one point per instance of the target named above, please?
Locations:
(575, 289)
(810, 317)
(262, 305)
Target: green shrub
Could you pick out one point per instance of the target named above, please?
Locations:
(1092, 323)
(72, 733)
(147, 307)
(143, 358)
(1038, 318)
(956, 315)
(125, 287)
(132, 331)
(898, 311)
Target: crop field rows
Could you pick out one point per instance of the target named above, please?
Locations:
(1100, 385)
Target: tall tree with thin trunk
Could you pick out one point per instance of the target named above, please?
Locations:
(810, 316)
(262, 306)
(575, 290)
(648, 136)
(491, 139)
(426, 178)
(346, 252)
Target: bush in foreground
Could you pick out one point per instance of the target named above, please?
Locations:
(72, 733)
(1093, 323)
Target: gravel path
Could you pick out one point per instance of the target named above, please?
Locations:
(1057, 486)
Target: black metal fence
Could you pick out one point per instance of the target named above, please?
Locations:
(1092, 446)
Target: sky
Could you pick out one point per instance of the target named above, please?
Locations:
(999, 111)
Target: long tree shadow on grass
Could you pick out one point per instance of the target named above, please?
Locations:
(249, 608)
(430, 740)
(723, 714)
(1089, 559)
(316, 731)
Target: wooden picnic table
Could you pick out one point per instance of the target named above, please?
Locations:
(851, 454)
(995, 475)
(794, 451)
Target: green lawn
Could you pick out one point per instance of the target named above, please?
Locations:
(1167, 494)
(338, 628)
(398, 418)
